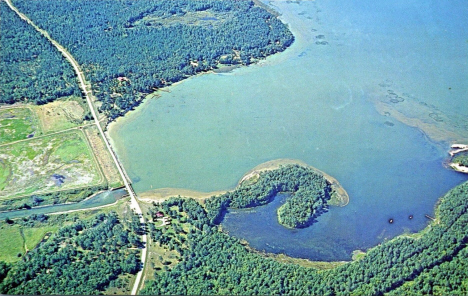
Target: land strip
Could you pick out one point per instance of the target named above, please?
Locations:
(88, 93)
(340, 199)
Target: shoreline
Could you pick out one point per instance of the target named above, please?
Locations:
(286, 259)
(342, 198)
(162, 194)
(456, 149)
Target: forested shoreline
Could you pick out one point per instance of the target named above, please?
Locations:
(133, 49)
(212, 262)
(137, 47)
(310, 195)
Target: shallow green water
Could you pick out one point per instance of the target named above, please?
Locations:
(313, 103)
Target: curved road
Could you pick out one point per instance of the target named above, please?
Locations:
(134, 204)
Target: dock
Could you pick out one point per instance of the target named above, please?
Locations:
(429, 217)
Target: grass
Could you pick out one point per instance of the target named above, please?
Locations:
(13, 239)
(358, 255)
(17, 124)
(11, 243)
(49, 163)
(60, 115)
(461, 158)
(103, 156)
(34, 236)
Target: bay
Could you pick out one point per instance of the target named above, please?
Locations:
(314, 102)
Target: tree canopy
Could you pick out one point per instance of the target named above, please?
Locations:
(128, 49)
(83, 258)
(31, 68)
(212, 262)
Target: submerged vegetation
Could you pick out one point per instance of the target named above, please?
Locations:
(144, 45)
(92, 256)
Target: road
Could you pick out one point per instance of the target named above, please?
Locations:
(88, 93)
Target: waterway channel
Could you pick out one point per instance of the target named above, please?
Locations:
(100, 199)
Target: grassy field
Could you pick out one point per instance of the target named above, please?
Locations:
(103, 157)
(18, 124)
(60, 115)
(14, 239)
(34, 236)
(11, 243)
(50, 163)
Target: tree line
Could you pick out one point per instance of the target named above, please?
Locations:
(88, 256)
(83, 258)
(212, 262)
(112, 39)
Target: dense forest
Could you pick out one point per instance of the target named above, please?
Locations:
(31, 68)
(311, 192)
(88, 256)
(212, 262)
(136, 47)
(83, 258)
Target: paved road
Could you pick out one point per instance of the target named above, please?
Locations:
(88, 93)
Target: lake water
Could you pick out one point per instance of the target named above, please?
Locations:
(314, 103)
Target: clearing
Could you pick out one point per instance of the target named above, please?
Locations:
(18, 124)
(49, 163)
(103, 157)
(60, 115)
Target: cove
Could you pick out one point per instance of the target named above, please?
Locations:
(313, 102)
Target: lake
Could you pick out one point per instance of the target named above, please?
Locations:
(316, 102)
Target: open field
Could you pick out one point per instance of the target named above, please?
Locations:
(50, 163)
(103, 157)
(17, 238)
(11, 243)
(14, 239)
(60, 115)
(18, 124)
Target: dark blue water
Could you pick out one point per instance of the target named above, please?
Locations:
(101, 199)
